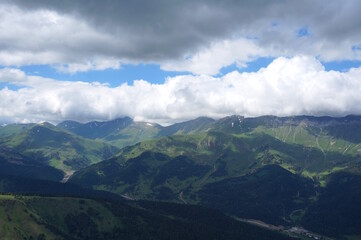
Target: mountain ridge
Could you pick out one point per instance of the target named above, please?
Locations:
(233, 164)
(49, 145)
(217, 164)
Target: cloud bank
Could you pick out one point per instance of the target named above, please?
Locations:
(288, 86)
(197, 36)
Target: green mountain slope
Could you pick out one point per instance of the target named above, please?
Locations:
(142, 177)
(30, 186)
(337, 211)
(125, 132)
(49, 145)
(224, 155)
(28, 217)
(12, 129)
(267, 168)
(96, 129)
(271, 194)
(328, 134)
(134, 133)
(119, 132)
(15, 164)
(278, 170)
(193, 126)
(325, 133)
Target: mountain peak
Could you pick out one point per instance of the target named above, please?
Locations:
(96, 129)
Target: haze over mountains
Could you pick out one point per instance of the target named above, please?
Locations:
(283, 171)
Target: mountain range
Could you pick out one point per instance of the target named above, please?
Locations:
(285, 171)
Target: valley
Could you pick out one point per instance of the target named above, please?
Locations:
(282, 171)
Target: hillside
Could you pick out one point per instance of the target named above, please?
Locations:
(324, 133)
(267, 168)
(52, 146)
(15, 164)
(282, 171)
(96, 129)
(11, 129)
(337, 211)
(119, 132)
(20, 185)
(124, 132)
(214, 155)
(32, 217)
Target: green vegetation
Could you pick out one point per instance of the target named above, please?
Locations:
(337, 211)
(18, 221)
(119, 132)
(284, 171)
(124, 132)
(268, 168)
(28, 186)
(149, 167)
(15, 164)
(12, 129)
(46, 144)
(271, 194)
(31, 217)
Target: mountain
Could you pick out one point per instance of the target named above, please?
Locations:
(144, 177)
(218, 154)
(22, 185)
(271, 194)
(134, 133)
(267, 168)
(193, 126)
(15, 164)
(119, 132)
(125, 132)
(96, 129)
(337, 211)
(34, 217)
(51, 146)
(51, 210)
(284, 171)
(11, 129)
(319, 132)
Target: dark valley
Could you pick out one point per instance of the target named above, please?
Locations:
(266, 177)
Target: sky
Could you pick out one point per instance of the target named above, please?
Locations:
(171, 61)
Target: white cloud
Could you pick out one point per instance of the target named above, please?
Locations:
(294, 86)
(47, 37)
(242, 50)
(12, 75)
(220, 54)
(196, 36)
(96, 64)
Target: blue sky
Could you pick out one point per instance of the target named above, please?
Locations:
(153, 73)
(127, 73)
(342, 66)
(52, 55)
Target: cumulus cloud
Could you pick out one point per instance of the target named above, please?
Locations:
(288, 86)
(198, 36)
(220, 54)
(47, 37)
(95, 64)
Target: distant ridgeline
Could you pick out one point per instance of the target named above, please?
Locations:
(289, 171)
